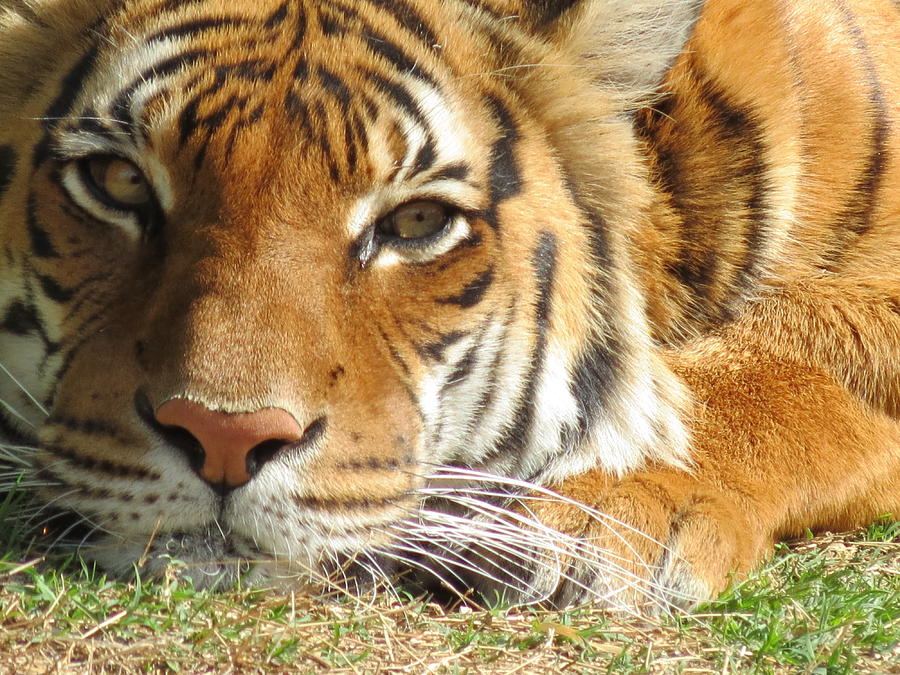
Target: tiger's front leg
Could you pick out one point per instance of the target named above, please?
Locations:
(784, 439)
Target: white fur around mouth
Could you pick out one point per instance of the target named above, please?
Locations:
(210, 559)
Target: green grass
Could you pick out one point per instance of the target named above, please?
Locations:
(826, 605)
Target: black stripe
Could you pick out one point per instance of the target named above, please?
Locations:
(857, 215)
(546, 12)
(456, 171)
(54, 290)
(400, 95)
(474, 291)
(102, 465)
(594, 378)
(298, 111)
(11, 434)
(335, 86)
(407, 17)
(369, 107)
(486, 401)
(425, 158)
(68, 360)
(172, 65)
(240, 125)
(8, 161)
(543, 262)
(324, 144)
(463, 369)
(88, 426)
(56, 480)
(705, 200)
(301, 71)
(359, 128)
(435, 350)
(597, 369)
(69, 88)
(196, 27)
(188, 120)
(395, 56)
(406, 372)
(350, 145)
(41, 245)
(692, 271)
(190, 123)
(21, 319)
(331, 24)
(740, 128)
(505, 180)
(343, 505)
(395, 355)
(121, 105)
(172, 5)
(300, 34)
(89, 121)
(277, 17)
(248, 70)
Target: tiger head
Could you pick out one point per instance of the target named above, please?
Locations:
(275, 269)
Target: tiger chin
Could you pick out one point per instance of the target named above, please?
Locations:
(564, 301)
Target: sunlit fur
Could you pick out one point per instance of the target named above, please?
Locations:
(659, 331)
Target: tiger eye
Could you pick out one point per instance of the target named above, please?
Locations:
(120, 181)
(416, 220)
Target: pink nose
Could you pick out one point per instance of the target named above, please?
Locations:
(228, 439)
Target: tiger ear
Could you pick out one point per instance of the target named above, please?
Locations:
(629, 44)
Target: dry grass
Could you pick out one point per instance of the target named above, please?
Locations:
(829, 605)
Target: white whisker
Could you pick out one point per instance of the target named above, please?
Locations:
(15, 413)
(453, 473)
(510, 534)
(536, 551)
(25, 391)
(470, 565)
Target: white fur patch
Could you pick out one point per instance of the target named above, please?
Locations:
(630, 44)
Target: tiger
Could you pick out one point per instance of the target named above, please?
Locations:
(562, 300)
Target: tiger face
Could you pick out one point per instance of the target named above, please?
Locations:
(276, 269)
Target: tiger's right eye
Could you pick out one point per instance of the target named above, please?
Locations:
(416, 220)
(116, 182)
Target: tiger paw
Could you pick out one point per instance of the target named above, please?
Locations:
(651, 542)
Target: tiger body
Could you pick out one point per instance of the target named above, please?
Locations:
(664, 282)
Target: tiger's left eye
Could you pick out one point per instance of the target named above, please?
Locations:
(415, 220)
(117, 182)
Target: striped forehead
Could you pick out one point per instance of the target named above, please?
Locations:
(329, 68)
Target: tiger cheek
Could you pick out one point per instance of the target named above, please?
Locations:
(372, 450)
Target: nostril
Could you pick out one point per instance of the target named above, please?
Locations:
(186, 442)
(266, 451)
(176, 436)
(262, 454)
